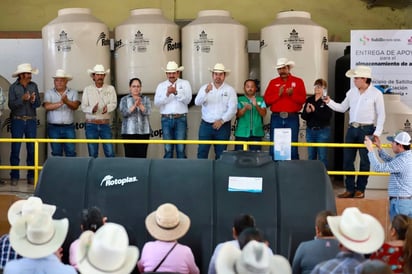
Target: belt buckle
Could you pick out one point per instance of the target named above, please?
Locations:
(355, 125)
(283, 114)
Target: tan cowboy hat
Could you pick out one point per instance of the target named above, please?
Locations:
(359, 232)
(402, 138)
(167, 223)
(38, 235)
(24, 68)
(283, 62)
(172, 66)
(359, 71)
(253, 258)
(219, 68)
(98, 69)
(106, 251)
(32, 205)
(60, 73)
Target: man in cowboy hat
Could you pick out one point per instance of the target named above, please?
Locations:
(400, 169)
(60, 103)
(98, 102)
(285, 95)
(172, 98)
(358, 233)
(219, 106)
(366, 118)
(24, 99)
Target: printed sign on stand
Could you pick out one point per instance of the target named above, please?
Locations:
(283, 144)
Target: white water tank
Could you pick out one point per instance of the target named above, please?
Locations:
(145, 42)
(214, 37)
(295, 36)
(75, 41)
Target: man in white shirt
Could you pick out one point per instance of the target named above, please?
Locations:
(366, 118)
(219, 106)
(172, 98)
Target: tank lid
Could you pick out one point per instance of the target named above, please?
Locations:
(289, 14)
(74, 11)
(203, 13)
(146, 12)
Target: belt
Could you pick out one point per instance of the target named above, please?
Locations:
(285, 114)
(61, 125)
(360, 125)
(317, 128)
(174, 116)
(98, 121)
(401, 198)
(25, 118)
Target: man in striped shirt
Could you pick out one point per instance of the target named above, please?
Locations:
(400, 169)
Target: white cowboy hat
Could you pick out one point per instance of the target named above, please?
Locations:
(402, 138)
(60, 73)
(106, 251)
(167, 223)
(253, 258)
(172, 66)
(283, 62)
(219, 68)
(32, 205)
(359, 232)
(98, 69)
(38, 235)
(24, 68)
(359, 71)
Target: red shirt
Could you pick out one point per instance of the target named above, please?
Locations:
(391, 255)
(285, 102)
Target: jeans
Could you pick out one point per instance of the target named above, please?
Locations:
(207, 132)
(174, 129)
(356, 135)
(320, 135)
(400, 206)
(292, 122)
(95, 131)
(62, 132)
(136, 150)
(251, 147)
(20, 128)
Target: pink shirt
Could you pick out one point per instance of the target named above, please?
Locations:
(180, 260)
(73, 253)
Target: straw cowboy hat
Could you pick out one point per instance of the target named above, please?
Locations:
(402, 138)
(359, 71)
(253, 258)
(219, 68)
(172, 66)
(359, 232)
(32, 205)
(60, 73)
(167, 223)
(24, 68)
(37, 235)
(106, 251)
(98, 69)
(283, 62)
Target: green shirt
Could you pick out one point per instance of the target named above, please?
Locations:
(251, 123)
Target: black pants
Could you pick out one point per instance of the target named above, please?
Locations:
(136, 150)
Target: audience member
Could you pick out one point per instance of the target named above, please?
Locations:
(167, 224)
(250, 112)
(106, 251)
(172, 97)
(240, 223)
(218, 100)
(285, 95)
(135, 109)
(249, 234)
(400, 169)
(253, 258)
(358, 233)
(60, 103)
(98, 102)
(24, 99)
(91, 219)
(317, 115)
(7, 253)
(375, 267)
(398, 251)
(324, 247)
(366, 109)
